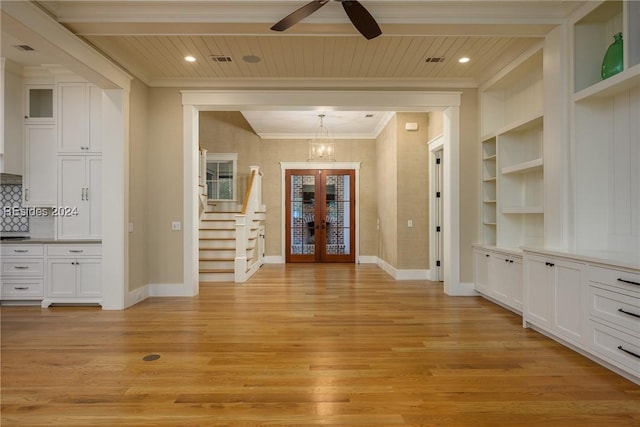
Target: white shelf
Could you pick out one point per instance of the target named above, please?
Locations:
(490, 157)
(529, 122)
(612, 86)
(524, 167)
(492, 179)
(509, 210)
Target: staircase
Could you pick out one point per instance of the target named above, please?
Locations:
(218, 244)
(231, 244)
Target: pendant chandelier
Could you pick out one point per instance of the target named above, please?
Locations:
(321, 147)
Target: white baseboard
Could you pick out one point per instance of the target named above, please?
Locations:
(274, 259)
(412, 275)
(464, 290)
(367, 259)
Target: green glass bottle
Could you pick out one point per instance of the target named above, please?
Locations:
(613, 61)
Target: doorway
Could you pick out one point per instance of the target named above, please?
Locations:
(320, 215)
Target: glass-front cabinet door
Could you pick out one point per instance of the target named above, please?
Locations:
(320, 212)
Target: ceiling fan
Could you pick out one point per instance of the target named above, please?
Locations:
(359, 16)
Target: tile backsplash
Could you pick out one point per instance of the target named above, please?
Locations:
(11, 196)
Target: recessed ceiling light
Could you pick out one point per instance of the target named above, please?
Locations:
(190, 58)
(463, 60)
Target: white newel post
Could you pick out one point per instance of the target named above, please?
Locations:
(240, 263)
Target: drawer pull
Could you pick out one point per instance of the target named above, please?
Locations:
(21, 288)
(21, 251)
(628, 352)
(629, 281)
(21, 267)
(76, 251)
(628, 312)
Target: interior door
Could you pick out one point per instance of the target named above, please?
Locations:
(320, 215)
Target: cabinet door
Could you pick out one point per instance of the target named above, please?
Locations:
(93, 196)
(73, 118)
(61, 278)
(500, 280)
(516, 280)
(39, 180)
(538, 292)
(72, 194)
(569, 318)
(89, 276)
(39, 102)
(95, 119)
(482, 271)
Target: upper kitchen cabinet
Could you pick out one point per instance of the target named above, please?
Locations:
(39, 104)
(79, 118)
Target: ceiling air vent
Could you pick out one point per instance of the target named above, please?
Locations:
(435, 59)
(221, 58)
(24, 47)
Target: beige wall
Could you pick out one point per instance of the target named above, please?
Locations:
(138, 185)
(469, 187)
(229, 132)
(413, 192)
(165, 178)
(387, 185)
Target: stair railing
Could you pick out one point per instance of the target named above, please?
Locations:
(243, 266)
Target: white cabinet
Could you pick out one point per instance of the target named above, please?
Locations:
(482, 268)
(74, 274)
(79, 118)
(498, 276)
(39, 179)
(79, 197)
(22, 272)
(614, 317)
(39, 103)
(555, 297)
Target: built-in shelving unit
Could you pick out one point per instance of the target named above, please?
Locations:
(512, 155)
(606, 131)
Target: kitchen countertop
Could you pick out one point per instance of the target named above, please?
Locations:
(46, 241)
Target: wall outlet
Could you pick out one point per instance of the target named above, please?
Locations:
(176, 226)
(410, 223)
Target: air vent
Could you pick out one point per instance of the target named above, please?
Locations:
(221, 58)
(435, 59)
(24, 47)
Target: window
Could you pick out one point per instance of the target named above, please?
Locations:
(221, 176)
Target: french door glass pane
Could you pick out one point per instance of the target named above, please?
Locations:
(338, 215)
(303, 201)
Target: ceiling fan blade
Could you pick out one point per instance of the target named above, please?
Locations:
(362, 19)
(299, 15)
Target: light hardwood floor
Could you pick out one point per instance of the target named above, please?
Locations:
(338, 345)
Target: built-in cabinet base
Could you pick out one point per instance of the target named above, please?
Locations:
(589, 304)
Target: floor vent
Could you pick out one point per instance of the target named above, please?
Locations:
(435, 59)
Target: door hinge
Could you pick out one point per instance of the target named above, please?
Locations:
(437, 161)
(437, 263)
(438, 229)
(437, 194)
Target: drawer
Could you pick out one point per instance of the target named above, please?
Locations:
(619, 309)
(22, 267)
(21, 250)
(22, 288)
(616, 347)
(67, 250)
(618, 278)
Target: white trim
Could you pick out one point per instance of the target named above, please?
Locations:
(368, 259)
(436, 144)
(466, 289)
(168, 290)
(284, 166)
(191, 153)
(137, 295)
(274, 259)
(412, 274)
